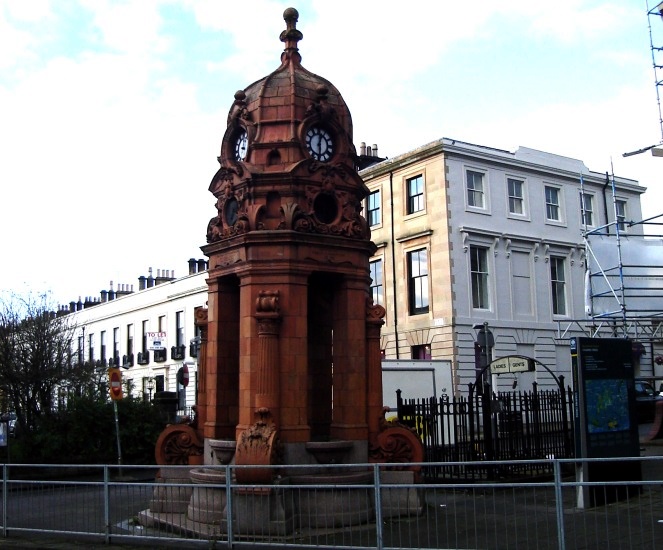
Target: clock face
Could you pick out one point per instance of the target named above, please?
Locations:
(319, 143)
(241, 144)
(230, 211)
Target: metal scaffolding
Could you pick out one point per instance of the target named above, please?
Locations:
(624, 277)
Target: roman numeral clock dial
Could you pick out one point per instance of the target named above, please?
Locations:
(319, 144)
(241, 144)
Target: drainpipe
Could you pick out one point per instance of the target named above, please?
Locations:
(393, 260)
(605, 203)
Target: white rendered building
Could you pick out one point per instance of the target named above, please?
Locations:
(115, 331)
(469, 235)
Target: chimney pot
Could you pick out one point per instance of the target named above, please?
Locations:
(362, 148)
(375, 150)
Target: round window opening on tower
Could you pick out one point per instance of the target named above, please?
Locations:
(325, 208)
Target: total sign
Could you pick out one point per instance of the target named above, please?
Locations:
(115, 383)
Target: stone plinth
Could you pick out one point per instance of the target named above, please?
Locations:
(208, 498)
(397, 502)
(344, 505)
(174, 495)
(264, 513)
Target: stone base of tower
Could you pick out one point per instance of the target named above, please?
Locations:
(302, 504)
(320, 485)
(323, 453)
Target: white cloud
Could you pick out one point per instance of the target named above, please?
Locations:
(109, 152)
(128, 26)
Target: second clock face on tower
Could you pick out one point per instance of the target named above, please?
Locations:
(241, 144)
(319, 143)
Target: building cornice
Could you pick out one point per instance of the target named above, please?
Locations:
(455, 148)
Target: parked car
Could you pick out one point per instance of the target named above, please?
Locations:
(646, 397)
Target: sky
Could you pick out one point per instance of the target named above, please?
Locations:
(112, 112)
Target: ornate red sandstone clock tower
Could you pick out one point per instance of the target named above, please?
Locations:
(291, 348)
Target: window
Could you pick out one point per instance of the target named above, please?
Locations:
(162, 323)
(90, 347)
(552, 204)
(103, 346)
(377, 290)
(116, 345)
(374, 208)
(620, 214)
(421, 351)
(179, 328)
(586, 209)
(130, 339)
(415, 194)
(417, 266)
(144, 336)
(516, 199)
(475, 190)
(81, 349)
(479, 277)
(558, 284)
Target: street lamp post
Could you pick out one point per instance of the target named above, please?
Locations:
(150, 387)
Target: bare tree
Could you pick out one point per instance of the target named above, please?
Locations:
(37, 359)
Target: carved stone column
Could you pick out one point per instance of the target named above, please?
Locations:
(374, 321)
(269, 321)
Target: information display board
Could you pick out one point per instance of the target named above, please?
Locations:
(605, 413)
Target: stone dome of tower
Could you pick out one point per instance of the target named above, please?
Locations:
(287, 157)
(273, 114)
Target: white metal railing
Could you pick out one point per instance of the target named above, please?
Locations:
(353, 506)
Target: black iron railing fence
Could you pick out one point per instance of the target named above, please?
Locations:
(487, 426)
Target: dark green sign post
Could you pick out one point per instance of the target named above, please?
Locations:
(605, 416)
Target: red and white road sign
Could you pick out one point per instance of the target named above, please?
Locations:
(115, 383)
(183, 375)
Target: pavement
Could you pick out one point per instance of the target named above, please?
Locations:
(651, 471)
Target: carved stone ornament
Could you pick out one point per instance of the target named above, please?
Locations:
(239, 109)
(345, 222)
(223, 179)
(219, 228)
(374, 312)
(200, 316)
(320, 107)
(267, 302)
(258, 445)
(397, 444)
(179, 444)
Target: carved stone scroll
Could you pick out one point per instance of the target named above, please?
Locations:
(399, 445)
(179, 444)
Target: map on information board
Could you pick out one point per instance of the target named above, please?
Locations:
(607, 405)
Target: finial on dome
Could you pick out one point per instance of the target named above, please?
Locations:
(291, 35)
